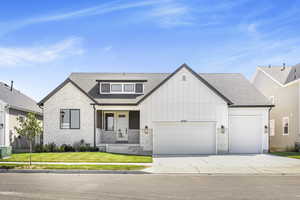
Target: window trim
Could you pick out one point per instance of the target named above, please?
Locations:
(283, 120)
(60, 119)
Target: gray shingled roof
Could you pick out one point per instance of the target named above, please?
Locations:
(285, 76)
(18, 100)
(235, 87)
(277, 73)
(294, 73)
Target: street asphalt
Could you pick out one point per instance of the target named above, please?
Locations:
(146, 187)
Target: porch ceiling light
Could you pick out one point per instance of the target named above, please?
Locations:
(146, 130)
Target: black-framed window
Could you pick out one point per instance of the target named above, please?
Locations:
(70, 118)
(105, 88)
(139, 88)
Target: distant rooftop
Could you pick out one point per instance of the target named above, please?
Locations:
(283, 74)
(18, 100)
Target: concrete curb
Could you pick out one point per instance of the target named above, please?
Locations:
(229, 174)
(35, 171)
(46, 171)
(76, 163)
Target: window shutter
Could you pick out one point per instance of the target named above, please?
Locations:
(134, 119)
(99, 119)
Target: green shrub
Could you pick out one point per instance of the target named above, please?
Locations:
(38, 148)
(80, 146)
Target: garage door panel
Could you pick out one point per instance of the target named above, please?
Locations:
(245, 134)
(184, 138)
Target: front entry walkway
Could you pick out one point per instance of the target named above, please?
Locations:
(226, 164)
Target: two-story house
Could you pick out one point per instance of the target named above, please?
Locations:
(281, 86)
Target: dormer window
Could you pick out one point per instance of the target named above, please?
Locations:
(121, 88)
(129, 87)
(116, 88)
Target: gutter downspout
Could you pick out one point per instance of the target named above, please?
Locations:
(269, 135)
(42, 135)
(6, 131)
(94, 125)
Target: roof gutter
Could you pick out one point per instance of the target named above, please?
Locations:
(23, 109)
(251, 106)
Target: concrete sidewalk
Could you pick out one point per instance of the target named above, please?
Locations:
(76, 163)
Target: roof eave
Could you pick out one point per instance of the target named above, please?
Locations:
(251, 106)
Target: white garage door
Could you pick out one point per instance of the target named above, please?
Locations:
(245, 134)
(184, 138)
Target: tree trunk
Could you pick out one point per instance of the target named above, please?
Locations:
(30, 143)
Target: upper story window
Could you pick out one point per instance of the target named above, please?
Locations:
(121, 88)
(116, 87)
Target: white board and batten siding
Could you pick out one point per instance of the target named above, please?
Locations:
(247, 133)
(182, 101)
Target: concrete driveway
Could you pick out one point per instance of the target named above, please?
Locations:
(226, 164)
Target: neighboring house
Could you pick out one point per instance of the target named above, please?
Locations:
(179, 113)
(281, 86)
(14, 104)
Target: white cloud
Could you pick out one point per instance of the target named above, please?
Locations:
(164, 12)
(107, 48)
(171, 14)
(19, 56)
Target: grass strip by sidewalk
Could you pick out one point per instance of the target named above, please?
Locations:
(287, 154)
(100, 157)
(73, 167)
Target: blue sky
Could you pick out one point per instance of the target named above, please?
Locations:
(42, 42)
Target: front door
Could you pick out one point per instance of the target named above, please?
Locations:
(122, 126)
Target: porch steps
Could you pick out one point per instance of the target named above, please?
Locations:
(132, 149)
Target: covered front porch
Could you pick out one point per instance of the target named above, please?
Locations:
(119, 131)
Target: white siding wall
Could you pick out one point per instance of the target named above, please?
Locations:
(263, 113)
(189, 100)
(68, 97)
(4, 138)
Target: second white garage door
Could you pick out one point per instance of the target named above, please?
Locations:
(245, 134)
(184, 138)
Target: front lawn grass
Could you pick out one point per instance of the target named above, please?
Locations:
(73, 167)
(90, 157)
(288, 154)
